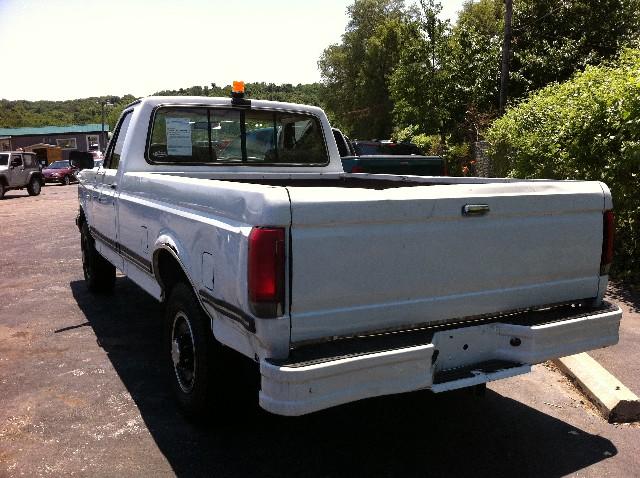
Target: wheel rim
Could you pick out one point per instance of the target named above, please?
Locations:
(183, 352)
(36, 187)
(66, 180)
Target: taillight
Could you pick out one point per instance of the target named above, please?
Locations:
(608, 228)
(266, 271)
(357, 169)
(445, 168)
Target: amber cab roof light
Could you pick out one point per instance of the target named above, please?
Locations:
(238, 87)
(237, 95)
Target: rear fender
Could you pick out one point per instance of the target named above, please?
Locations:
(167, 242)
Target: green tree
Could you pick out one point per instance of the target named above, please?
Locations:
(473, 66)
(554, 38)
(586, 128)
(418, 83)
(356, 72)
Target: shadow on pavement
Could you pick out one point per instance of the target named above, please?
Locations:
(15, 194)
(626, 294)
(414, 434)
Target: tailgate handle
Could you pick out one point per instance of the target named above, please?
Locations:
(475, 209)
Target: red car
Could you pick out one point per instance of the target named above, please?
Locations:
(60, 172)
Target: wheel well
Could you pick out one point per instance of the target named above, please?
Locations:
(40, 177)
(3, 180)
(169, 272)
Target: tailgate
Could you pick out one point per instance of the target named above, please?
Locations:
(367, 260)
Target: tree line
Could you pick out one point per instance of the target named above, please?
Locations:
(22, 113)
(400, 69)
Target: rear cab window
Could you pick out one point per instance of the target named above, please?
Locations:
(210, 136)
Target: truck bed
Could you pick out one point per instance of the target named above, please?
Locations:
(378, 252)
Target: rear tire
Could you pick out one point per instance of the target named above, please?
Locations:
(34, 187)
(189, 352)
(206, 377)
(2, 191)
(99, 274)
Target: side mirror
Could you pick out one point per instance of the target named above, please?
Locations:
(81, 160)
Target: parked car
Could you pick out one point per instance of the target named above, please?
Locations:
(384, 148)
(96, 155)
(336, 286)
(386, 157)
(60, 172)
(20, 170)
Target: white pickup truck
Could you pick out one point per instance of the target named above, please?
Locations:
(237, 214)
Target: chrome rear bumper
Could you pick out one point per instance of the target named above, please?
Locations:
(451, 358)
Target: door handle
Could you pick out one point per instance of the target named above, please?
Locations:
(475, 209)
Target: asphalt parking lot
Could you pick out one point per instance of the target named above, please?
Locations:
(82, 392)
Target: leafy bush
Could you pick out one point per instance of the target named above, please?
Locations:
(457, 154)
(586, 128)
(428, 144)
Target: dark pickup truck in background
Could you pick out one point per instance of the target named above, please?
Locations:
(386, 157)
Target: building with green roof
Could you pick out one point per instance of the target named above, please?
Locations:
(83, 137)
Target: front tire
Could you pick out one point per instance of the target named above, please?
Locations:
(34, 187)
(66, 181)
(2, 191)
(99, 274)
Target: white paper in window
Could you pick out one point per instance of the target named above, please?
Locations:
(178, 137)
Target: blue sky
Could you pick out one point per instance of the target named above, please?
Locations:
(64, 49)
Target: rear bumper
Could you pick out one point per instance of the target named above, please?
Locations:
(451, 358)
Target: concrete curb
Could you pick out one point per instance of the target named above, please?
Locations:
(617, 403)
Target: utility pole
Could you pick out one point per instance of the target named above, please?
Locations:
(101, 142)
(506, 54)
(103, 139)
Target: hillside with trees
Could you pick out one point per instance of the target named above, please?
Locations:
(15, 114)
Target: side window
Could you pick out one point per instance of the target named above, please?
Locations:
(16, 160)
(115, 146)
(342, 146)
(29, 161)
